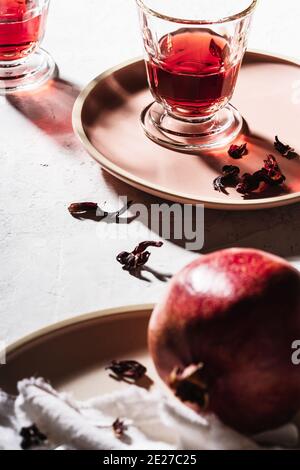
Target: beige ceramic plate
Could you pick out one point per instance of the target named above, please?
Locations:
(106, 119)
(72, 354)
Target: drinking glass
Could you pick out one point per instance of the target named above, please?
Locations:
(23, 64)
(193, 53)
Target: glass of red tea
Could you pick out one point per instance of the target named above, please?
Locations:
(23, 64)
(193, 54)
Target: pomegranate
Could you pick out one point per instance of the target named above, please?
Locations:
(222, 336)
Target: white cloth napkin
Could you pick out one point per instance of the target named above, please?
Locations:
(153, 421)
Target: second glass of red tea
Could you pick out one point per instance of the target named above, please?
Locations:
(194, 50)
(23, 64)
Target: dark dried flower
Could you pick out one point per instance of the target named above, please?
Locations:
(138, 257)
(81, 209)
(271, 169)
(32, 437)
(229, 178)
(119, 428)
(91, 210)
(270, 175)
(132, 370)
(238, 151)
(284, 149)
(189, 385)
(249, 183)
(292, 154)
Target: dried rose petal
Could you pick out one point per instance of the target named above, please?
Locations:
(238, 151)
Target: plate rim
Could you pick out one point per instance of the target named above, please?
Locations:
(14, 347)
(157, 190)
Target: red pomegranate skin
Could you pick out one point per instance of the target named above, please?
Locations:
(237, 311)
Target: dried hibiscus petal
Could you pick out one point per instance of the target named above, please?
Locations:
(249, 183)
(138, 257)
(270, 174)
(229, 178)
(31, 437)
(284, 149)
(272, 170)
(189, 385)
(132, 370)
(91, 210)
(78, 209)
(119, 428)
(238, 151)
(292, 154)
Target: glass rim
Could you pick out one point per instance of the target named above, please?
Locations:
(236, 16)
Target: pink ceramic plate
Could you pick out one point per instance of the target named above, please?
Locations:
(73, 354)
(106, 117)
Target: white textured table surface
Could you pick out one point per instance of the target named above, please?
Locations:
(53, 266)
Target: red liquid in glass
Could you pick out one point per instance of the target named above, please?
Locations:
(21, 28)
(194, 76)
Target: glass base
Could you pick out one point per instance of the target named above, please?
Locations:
(190, 135)
(27, 74)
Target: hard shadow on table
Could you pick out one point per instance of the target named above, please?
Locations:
(50, 109)
(275, 230)
(140, 274)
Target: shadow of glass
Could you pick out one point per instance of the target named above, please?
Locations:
(50, 109)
